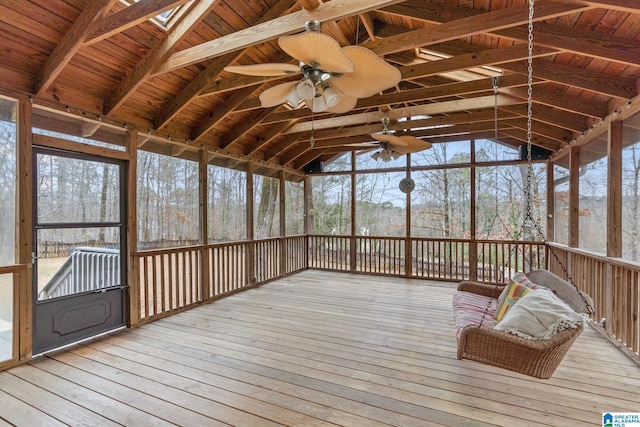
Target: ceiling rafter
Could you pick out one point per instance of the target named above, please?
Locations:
(70, 43)
(432, 123)
(220, 113)
(561, 135)
(267, 138)
(468, 26)
(294, 22)
(144, 69)
(415, 95)
(593, 81)
(193, 89)
(582, 42)
(589, 43)
(567, 120)
(543, 94)
(427, 109)
(229, 139)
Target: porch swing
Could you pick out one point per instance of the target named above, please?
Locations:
(478, 336)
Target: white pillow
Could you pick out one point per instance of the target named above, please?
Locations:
(540, 314)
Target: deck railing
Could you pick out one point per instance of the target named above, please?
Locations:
(171, 280)
(86, 269)
(440, 259)
(174, 279)
(613, 284)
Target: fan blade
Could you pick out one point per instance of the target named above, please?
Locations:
(347, 103)
(389, 139)
(364, 144)
(372, 74)
(276, 95)
(264, 70)
(317, 50)
(413, 144)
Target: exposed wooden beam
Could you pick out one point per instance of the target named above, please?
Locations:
(539, 140)
(464, 27)
(475, 59)
(130, 16)
(209, 74)
(281, 146)
(155, 56)
(231, 138)
(427, 109)
(216, 116)
(295, 151)
(461, 131)
(292, 23)
(589, 43)
(268, 137)
(308, 157)
(70, 43)
(630, 6)
(432, 122)
(415, 95)
(561, 135)
(543, 94)
(89, 128)
(581, 42)
(369, 25)
(195, 86)
(545, 114)
(606, 84)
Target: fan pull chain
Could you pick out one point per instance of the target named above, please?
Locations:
(312, 142)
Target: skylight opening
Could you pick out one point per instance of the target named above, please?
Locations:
(421, 117)
(484, 70)
(167, 18)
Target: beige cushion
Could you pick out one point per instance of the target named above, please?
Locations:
(540, 314)
(563, 289)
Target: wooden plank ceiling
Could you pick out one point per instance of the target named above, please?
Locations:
(111, 61)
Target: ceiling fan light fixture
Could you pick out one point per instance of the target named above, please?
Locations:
(318, 104)
(306, 89)
(331, 97)
(292, 97)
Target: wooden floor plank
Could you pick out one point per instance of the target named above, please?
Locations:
(315, 348)
(118, 412)
(16, 412)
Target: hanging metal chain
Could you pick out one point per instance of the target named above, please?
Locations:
(312, 141)
(495, 81)
(528, 217)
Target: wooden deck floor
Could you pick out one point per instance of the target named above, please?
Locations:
(316, 348)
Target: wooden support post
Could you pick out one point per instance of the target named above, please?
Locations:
(132, 228)
(408, 249)
(283, 225)
(24, 229)
(574, 197)
(614, 191)
(614, 217)
(551, 204)
(352, 240)
(250, 225)
(203, 183)
(473, 245)
(308, 216)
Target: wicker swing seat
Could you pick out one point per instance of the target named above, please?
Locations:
(536, 358)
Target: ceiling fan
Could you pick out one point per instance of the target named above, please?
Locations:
(391, 145)
(333, 77)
